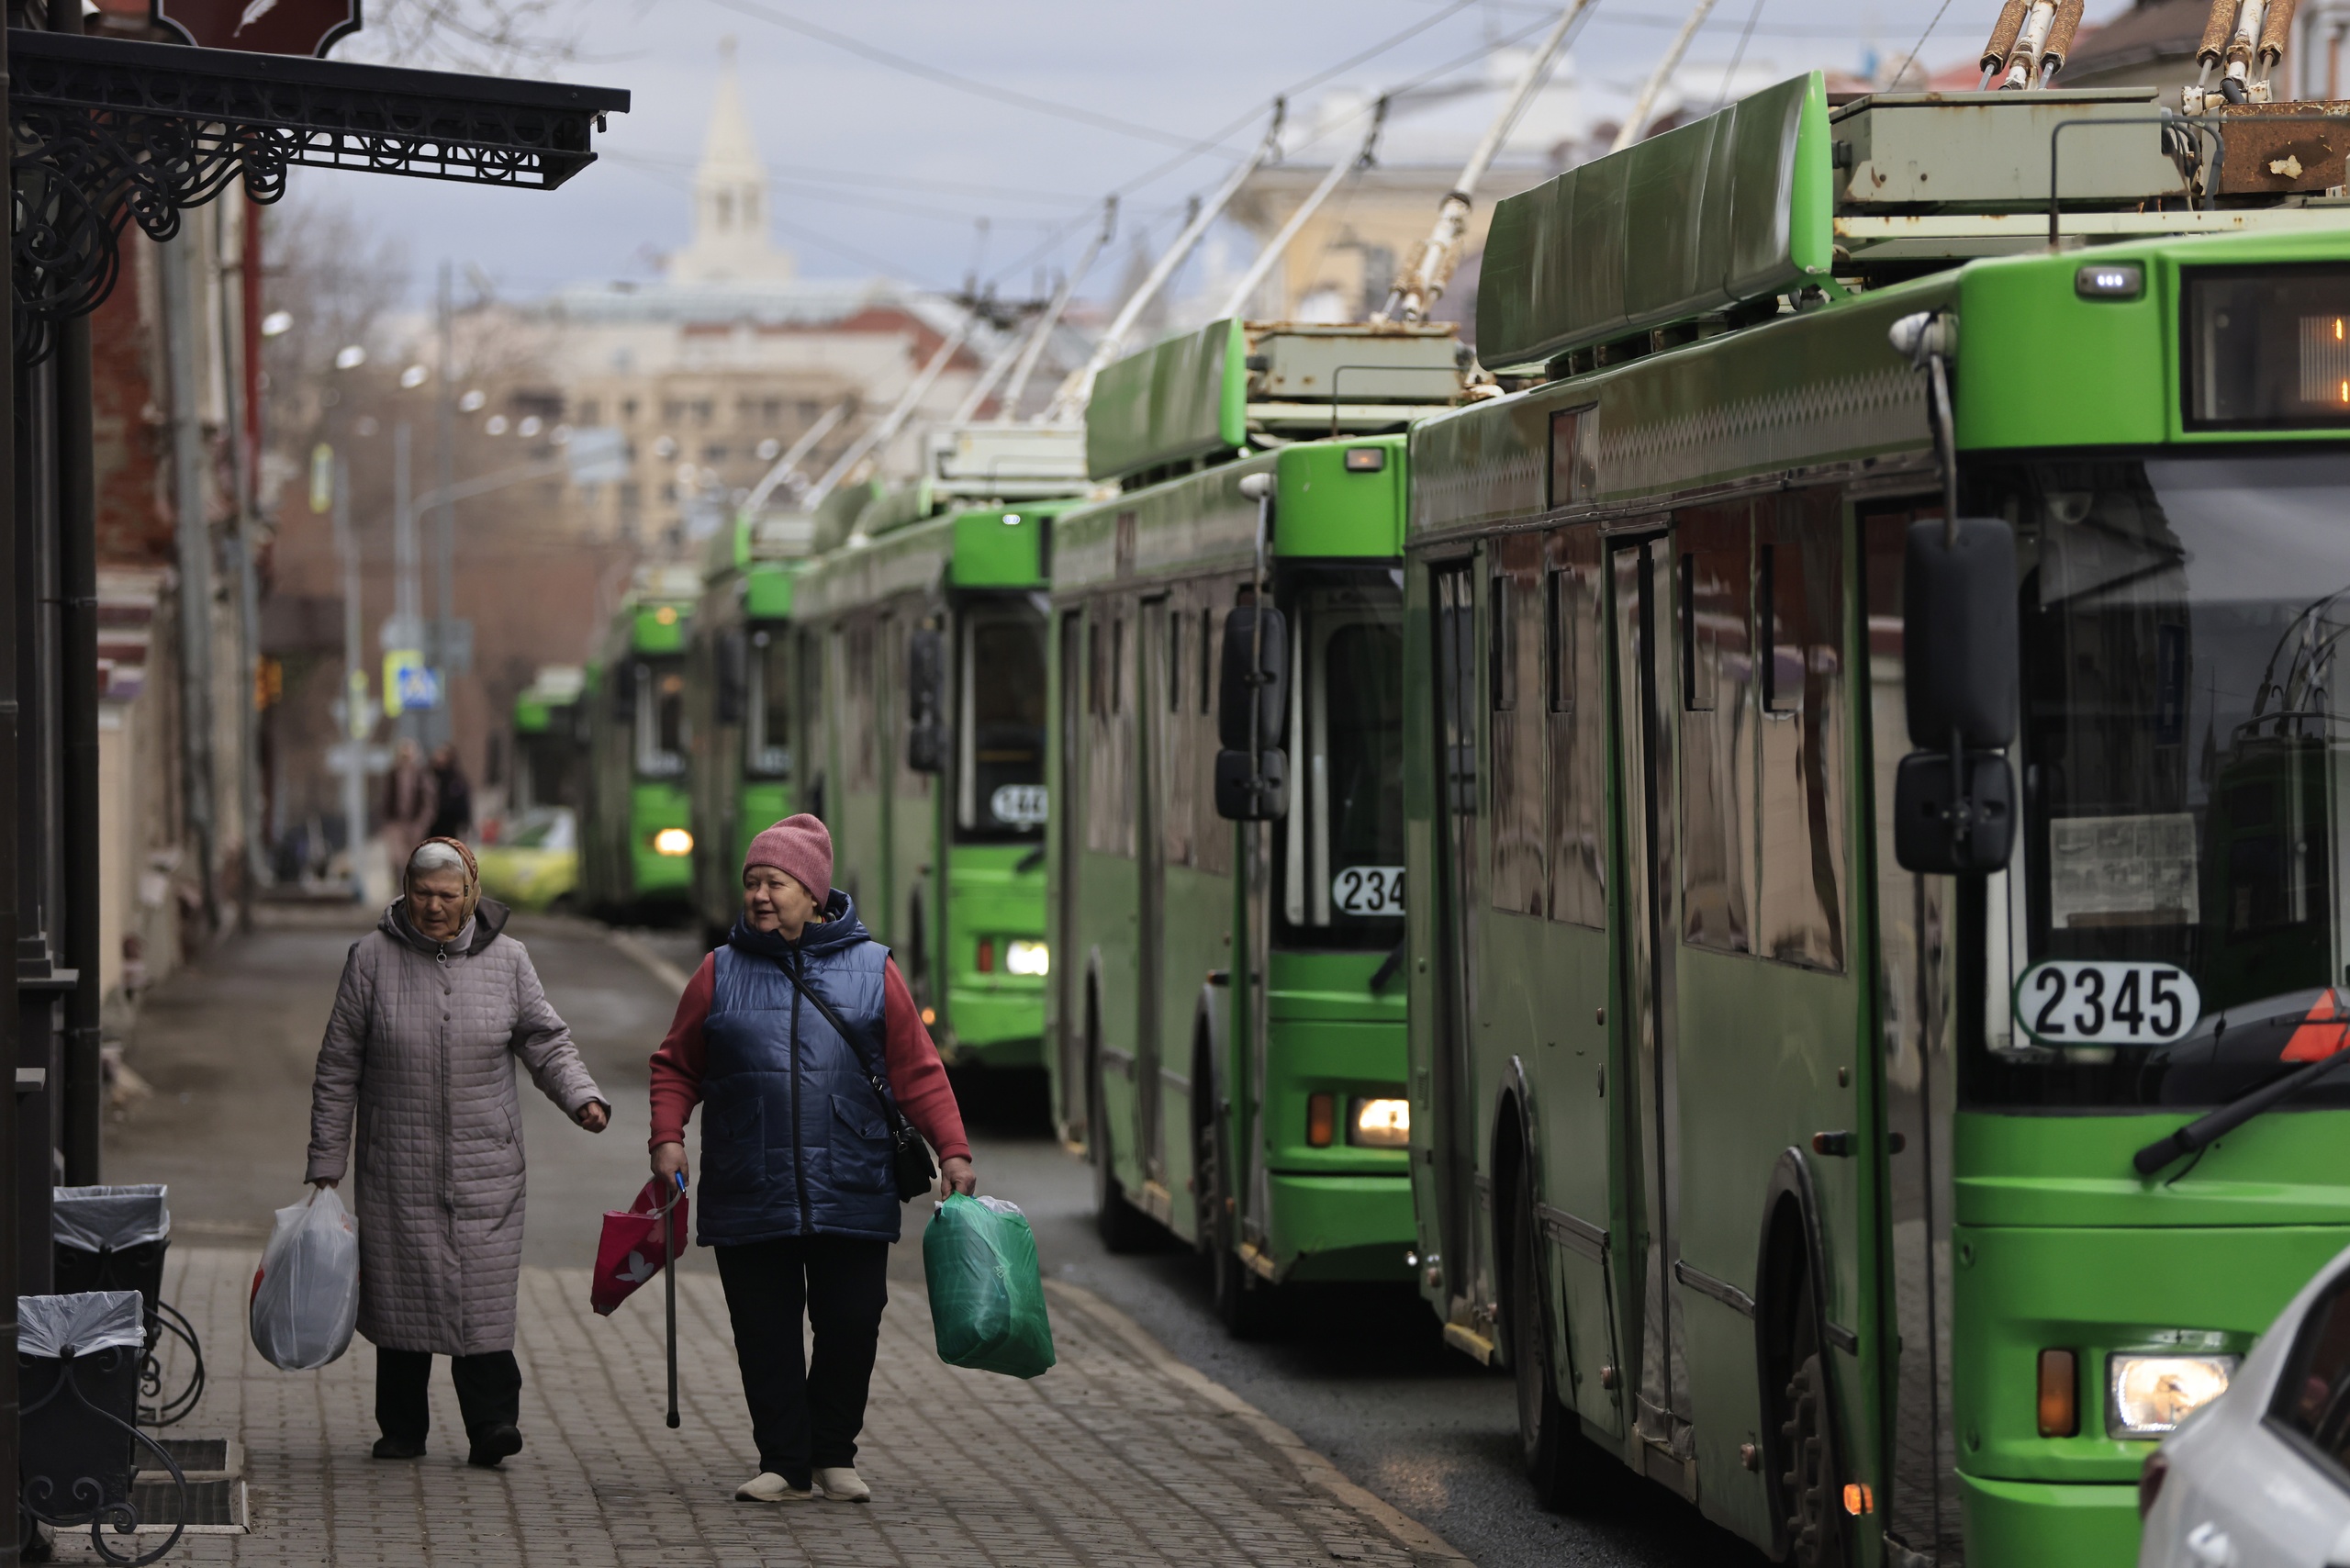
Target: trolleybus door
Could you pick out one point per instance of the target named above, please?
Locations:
(1066, 812)
(1150, 882)
(1454, 1088)
(1644, 787)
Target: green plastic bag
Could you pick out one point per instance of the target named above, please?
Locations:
(987, 1296)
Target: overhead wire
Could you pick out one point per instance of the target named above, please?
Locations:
(1922, 39)
(1738, 56)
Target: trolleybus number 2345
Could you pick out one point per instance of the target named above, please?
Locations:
(2080, 1002)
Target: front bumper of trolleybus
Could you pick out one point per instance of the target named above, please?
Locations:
(2060, 1248)
(1338, 1177)
(998, 962)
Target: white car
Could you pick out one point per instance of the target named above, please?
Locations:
(2260, 1476)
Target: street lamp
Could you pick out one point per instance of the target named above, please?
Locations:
(277, 323)
(350, 358)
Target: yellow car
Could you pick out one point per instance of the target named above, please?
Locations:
(534, 865)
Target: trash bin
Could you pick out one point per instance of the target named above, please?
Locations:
(114, 1238)
(77, 1369)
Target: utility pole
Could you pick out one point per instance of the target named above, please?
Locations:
(12, 1024)
(408, 611)
(441, 722)
(358, 718)
(175, 260)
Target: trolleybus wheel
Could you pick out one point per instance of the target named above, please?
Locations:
(1243, 1302)
(1558, 1457)
(1815, 1532)
(1122, 1226)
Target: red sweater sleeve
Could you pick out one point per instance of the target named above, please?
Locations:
(916, 1075)
(677, 1065)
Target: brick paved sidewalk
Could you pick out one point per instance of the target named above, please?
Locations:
(1120, 1455)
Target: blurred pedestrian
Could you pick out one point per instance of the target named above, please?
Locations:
(436, 1006)
(409, 799)
(452, 796)
(799, 1191)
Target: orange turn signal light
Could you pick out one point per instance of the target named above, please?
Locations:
(1859, 1499)
(1321, 1120)
(2060, 1411)
(986, 964)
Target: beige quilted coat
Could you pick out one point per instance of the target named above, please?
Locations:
(421, 1051)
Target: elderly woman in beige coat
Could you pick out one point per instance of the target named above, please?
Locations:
(436, 1006)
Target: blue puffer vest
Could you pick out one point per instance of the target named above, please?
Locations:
(794, 1140)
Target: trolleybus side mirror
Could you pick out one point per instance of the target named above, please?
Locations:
(1256, 669)
(733, 675)
(926, 692)
(624, 694)
(1958, 639)
(1252, 694)
(1954, 808)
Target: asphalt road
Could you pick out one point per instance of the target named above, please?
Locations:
(1362, 1376)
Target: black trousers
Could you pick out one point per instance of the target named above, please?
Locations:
(805, 1416)
(490, 1392)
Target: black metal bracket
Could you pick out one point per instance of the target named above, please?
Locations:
(108, 130)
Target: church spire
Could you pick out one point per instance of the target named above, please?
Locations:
(730, 242)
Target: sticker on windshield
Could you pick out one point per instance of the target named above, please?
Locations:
(1369, 890)
(2076, 1003)
(1018, 805)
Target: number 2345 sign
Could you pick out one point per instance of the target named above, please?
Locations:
(2075, 1002)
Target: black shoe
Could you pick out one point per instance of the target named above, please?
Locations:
(492, 1444)
(399, 1448)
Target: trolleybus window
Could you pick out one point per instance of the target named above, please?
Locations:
(1578, 804)
(1715, 549)
(1341, 866)
(660, 719)
(2173, 930)
(766, 711)
(999, 777)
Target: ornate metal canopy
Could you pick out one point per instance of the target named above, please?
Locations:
(108, 130)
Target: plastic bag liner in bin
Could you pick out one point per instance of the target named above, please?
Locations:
(49, 1326)
(306, 1292)
(106, 1220)
(987, 1296)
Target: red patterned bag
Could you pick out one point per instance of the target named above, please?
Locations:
(632, 1249)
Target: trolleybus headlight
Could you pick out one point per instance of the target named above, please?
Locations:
(1379, 1123)
(673, 842)
(2152, 1394)
(1022, 957)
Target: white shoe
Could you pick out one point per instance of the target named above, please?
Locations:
(843, 1486)
(766, 1486)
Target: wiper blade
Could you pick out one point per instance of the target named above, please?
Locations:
(2210, 1127)
(1387, 969)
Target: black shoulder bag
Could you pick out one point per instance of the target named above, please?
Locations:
(910, 1156)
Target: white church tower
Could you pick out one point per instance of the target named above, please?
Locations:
(730, 242)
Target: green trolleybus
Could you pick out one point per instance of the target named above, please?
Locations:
(636, 854)
(550, 742)
(1812, 975)
(929, 623)
(1227, 1003)
(743, 700)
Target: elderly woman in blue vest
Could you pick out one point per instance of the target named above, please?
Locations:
(799, 1193)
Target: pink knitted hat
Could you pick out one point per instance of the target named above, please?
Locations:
(800, 848)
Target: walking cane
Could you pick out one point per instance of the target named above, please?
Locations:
(669, 1285)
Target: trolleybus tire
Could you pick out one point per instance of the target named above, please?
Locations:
(1814, 1524)
(1559, 1458)
(1244, 1304)
(1122, 1226)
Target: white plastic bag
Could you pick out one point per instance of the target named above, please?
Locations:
(306, 1292)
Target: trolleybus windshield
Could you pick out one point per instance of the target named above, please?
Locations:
(660, 729)
(767, 707)
(999, 777)
(2174, 926)
(1339, 857)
